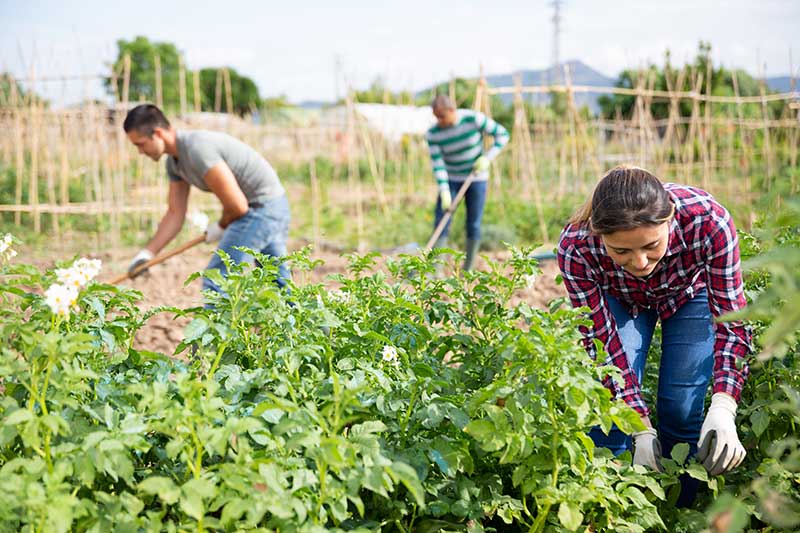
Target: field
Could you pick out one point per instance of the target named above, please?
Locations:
(375, 395)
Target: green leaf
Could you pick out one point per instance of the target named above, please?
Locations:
(570, 515)
(759, 421)
(697, 471)
(18, 417)
(680, 452)
(161, 486)
(408, 477)
(195, 329)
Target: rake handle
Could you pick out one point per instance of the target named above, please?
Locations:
(159, 259)
(449, 211)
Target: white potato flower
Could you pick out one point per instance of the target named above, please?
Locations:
(6, 252)
(389, 355)
(61, 299)
(80, 273)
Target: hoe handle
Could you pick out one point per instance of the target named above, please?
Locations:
(159, 259)
(450, 210)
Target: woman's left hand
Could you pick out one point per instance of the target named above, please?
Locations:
(719, 447)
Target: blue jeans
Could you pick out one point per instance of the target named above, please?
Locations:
(687, 362)
(265, 229)
(475, 200)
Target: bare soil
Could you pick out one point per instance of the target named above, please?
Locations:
(164, 284)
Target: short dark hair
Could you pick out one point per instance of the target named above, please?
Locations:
(626, 198)
(145, 118)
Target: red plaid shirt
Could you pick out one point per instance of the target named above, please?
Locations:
(703, 252)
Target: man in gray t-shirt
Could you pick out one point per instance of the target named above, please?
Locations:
(255, 211)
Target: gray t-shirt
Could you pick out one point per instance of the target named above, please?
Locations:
(200, 150)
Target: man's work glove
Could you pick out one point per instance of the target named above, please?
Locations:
(143, 256)
(647, 449)
(214, 232)
(481, 164)
(444, 195)
(719, 447)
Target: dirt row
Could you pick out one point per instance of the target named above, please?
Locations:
(164, 284)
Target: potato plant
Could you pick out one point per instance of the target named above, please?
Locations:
(397, 402)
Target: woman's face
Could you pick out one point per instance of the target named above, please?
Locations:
(638, 250)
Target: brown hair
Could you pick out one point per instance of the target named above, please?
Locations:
(145, 118)
(625, 198)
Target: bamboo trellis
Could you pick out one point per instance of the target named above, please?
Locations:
(57, 153)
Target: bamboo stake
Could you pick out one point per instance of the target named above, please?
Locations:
(19, 145)
(159, 92)
(793, 136)
(64, 162)
(182, 84)
(33, 189)
(126, 79)
(228, 92)
(218, 92)
(196, 79)
(706, 137)
(50, 169)
(316, 206)
(743, 139)
(767, 148)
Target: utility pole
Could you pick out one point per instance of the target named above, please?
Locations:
(556, 72)
(337, 75)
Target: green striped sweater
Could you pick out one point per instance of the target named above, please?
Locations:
(455, 149)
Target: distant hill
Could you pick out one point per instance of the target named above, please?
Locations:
(781, 84)
(580, 74)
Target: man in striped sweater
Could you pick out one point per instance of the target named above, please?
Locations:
(456, 148)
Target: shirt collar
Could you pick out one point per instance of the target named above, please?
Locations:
(676, 242)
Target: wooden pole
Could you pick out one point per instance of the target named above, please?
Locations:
(159, 88)
(316, 206)
(196, 80)
(33, 189)
(19, 148)
(126, 79)
(228, 92)
(218, 92)
(182, 84)
(158, 260)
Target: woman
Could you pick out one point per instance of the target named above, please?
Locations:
(640, 251)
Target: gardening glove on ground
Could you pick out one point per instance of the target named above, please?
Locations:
(719, 447)
(647, 449)
(140, 258)
(481, 164)
(444, 195)
(214, 232)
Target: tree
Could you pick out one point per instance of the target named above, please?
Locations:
(721, 85)
(244, 91)
(143, 54)
(23, 96)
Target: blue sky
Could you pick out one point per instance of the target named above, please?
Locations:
(290, 47)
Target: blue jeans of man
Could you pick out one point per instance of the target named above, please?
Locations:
(687, 362)
(264, 228)
(475, 199)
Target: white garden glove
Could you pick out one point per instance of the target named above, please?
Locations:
(481, 165)
(143, 256)
(647, 449)
(719, 447)
(444, 196)
(214, 232)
